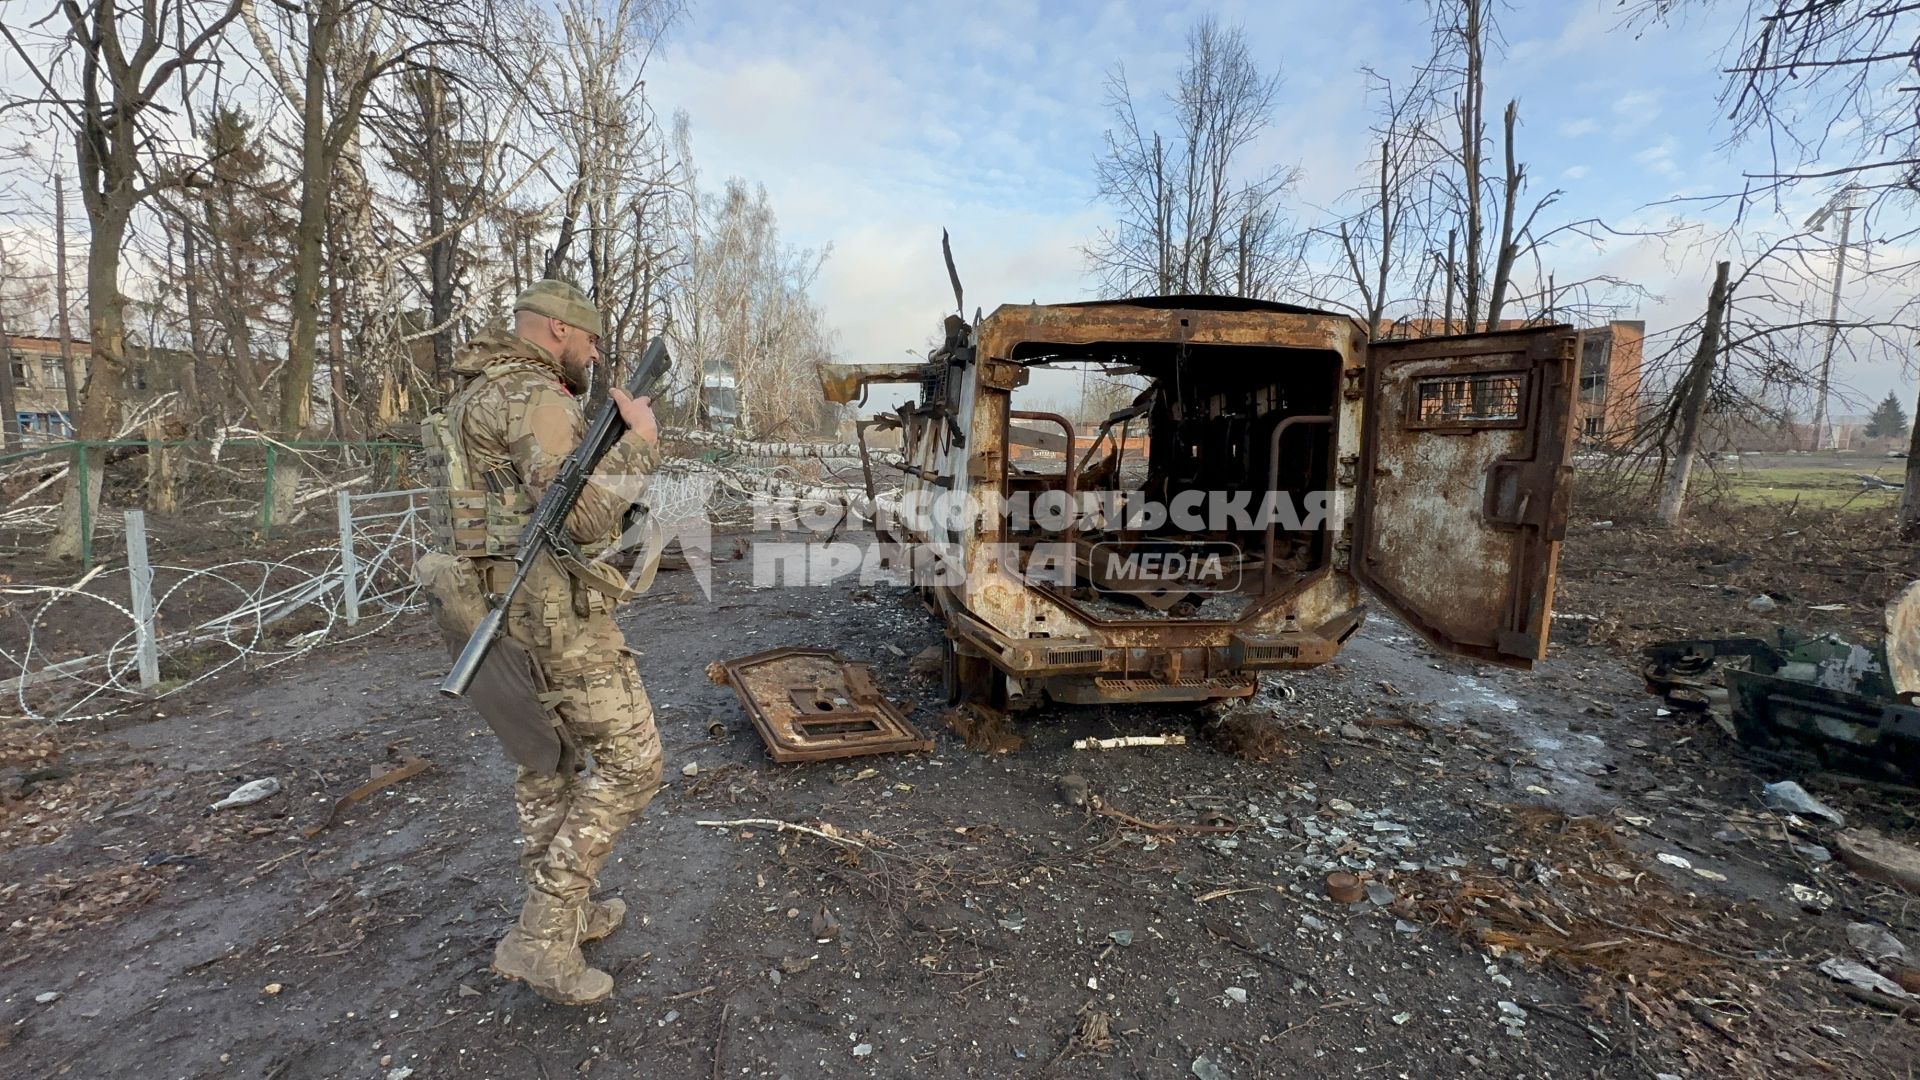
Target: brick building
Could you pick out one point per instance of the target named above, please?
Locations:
(1607, 407)
(40, 384)
(40, 381)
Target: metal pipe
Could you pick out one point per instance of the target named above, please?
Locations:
(1273, 475)
(1067, 426)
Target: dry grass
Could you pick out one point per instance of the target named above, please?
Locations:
(1634, 582)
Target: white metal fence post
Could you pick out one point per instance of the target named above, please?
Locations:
(349, 564)
(140, 574)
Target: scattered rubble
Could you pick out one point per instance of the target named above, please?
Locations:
(1862, 976)
(1877, 945)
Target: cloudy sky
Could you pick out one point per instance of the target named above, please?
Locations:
(873, 125)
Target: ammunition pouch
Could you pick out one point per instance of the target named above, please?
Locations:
(510, 691)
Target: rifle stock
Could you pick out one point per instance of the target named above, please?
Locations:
(547, 529)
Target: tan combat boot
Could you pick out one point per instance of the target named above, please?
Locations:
(542, 949)
(603, 918)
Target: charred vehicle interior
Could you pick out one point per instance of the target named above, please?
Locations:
(1216, 475)
(1256, 465)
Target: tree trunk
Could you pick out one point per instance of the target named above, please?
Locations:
(240, 366)
(440, 253)
(1910, 497)
(1509, 249)
(163, 493)
(60, 296)
(9, 403)
(1377, 302)
(196, 323)
(106, 377)
(1693, 402)
(1472, 128)
(336, 351)
(309, 247)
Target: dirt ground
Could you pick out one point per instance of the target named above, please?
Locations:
(975, 922)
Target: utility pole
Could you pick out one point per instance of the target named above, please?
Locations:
(60, 295)
(1823, 435)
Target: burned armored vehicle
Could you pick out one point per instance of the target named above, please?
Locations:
(1270, 465)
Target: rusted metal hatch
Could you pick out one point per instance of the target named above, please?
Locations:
(811, 705)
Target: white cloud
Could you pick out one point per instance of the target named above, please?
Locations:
(1638, 103)
(1573, 129)
(1635, 111)
(1658, 158)
(1576, 172)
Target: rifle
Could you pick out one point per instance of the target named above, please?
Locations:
(548, 529)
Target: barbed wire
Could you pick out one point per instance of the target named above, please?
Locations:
(257, 594)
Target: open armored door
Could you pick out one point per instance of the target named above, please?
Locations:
(1464, 480)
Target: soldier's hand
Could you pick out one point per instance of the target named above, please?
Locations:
(638, 413)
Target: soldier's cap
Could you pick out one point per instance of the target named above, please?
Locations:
(557, 299)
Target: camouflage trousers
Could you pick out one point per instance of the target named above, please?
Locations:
(569, 821)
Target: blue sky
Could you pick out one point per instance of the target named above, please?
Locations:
(873, 125)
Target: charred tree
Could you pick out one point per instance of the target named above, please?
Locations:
(1692, 395)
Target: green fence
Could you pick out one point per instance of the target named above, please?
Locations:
(79, 461)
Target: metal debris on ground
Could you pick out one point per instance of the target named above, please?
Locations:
(1205, 1069)
(812, 705)
(1810, 899)
(1345, 888)
(1862, 977)
(1877, 945)
(1831, 695)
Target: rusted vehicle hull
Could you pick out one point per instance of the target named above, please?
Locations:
(1432, 473)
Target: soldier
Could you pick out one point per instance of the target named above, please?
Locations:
(507, 429)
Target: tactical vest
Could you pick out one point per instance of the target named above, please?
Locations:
(479, 509)
(476, 509)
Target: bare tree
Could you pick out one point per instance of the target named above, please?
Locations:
(1484, 208)
(1442, 235)
(1746, 360)
(108, 70)
(622, 177)
(1392, 219)
(338, 49)
(1826, 88)
(746, 316)
(1690, 398)
(1187, 223)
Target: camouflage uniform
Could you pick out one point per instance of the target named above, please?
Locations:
(516, 418)
(503, 437)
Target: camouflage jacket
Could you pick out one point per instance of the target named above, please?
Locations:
(515, 415)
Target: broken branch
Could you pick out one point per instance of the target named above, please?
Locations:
(781, 826)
